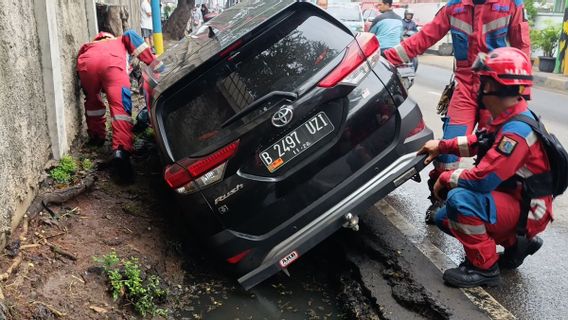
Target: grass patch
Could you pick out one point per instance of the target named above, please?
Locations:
(65, 171)
(68, 168)
(128, 282)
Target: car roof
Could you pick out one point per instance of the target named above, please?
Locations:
(232, 24)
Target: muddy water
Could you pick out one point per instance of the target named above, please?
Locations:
(309, 293)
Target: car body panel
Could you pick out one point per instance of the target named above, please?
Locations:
(268, 218)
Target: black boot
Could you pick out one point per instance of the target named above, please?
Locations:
(468, 276)
(514, 256)
(121, 168)
(95, 141)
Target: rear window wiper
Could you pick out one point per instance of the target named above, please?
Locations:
(246, 110)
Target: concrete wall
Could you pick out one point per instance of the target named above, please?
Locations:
(42, 111)
(71, 14)
(25, 143)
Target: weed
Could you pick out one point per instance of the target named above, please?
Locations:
(64, 172)
(87, 164)
(127, 281)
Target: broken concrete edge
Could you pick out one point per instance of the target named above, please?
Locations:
(477, 296)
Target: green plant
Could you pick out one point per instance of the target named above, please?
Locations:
(531, 11)
(126, 280)
(65, 170)
(87, 164)
(546, 39)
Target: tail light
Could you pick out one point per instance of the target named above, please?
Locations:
(353, 68)
(189, 175)
(238, 257)
(421, 125)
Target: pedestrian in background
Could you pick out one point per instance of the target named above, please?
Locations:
(146, 22)
(476, 26)
(387, 26)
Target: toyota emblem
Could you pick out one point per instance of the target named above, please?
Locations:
(283, 116)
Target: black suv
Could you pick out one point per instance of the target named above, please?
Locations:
(278, 126)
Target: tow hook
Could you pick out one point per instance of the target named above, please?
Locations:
(352, 221)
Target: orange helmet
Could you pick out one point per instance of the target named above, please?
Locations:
(508, 66)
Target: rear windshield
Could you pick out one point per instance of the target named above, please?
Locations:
(282, 60)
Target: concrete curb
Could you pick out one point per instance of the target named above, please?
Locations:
(541, 79)
(553, 81)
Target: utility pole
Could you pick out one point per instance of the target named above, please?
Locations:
(562, 59)
(157, 26)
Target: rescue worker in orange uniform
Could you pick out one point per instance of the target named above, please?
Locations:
(483, 204)
(103, 66)
(475, 26)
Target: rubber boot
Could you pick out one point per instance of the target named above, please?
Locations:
(514, 256)
(468, 276)
(121, 168)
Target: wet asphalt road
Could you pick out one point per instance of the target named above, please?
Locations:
(537, 289)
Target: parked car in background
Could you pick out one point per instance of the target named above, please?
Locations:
(368, 16)
(349, 14)
(278, 126)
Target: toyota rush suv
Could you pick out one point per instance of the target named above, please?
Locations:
(277, 126)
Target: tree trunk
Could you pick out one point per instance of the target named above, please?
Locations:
(112, 18)
(176, 24)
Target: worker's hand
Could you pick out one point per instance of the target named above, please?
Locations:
(440, 192)
(432, 149)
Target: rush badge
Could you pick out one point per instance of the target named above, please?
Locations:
(506, 145)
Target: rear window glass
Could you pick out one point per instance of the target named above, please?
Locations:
(282, 60)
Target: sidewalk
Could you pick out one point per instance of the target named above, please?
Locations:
(541, 79)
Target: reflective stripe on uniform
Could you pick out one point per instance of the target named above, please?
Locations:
(454, 178)
(496, 24)
(402, 53)
(467, 229)
(538, 209)
(156, 65)
(122, 117)
(443, 166)
(140, 48)
(531, 139)
(95, 113)
(524, 172)
(463, 146)
(461, 25)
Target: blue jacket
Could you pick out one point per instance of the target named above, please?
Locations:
(388, 28)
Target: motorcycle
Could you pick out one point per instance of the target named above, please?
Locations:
(407, 70)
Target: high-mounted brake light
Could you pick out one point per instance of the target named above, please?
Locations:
(231, 48)
(188, 174)
(352, 68)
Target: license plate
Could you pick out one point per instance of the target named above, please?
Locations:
(296, 142)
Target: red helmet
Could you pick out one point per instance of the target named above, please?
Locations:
(103, 35)
(508, 66)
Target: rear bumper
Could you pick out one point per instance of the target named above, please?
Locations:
(321, 218)
(333, 219)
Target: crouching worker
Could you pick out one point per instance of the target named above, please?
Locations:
(103, 67)
(485, 204)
